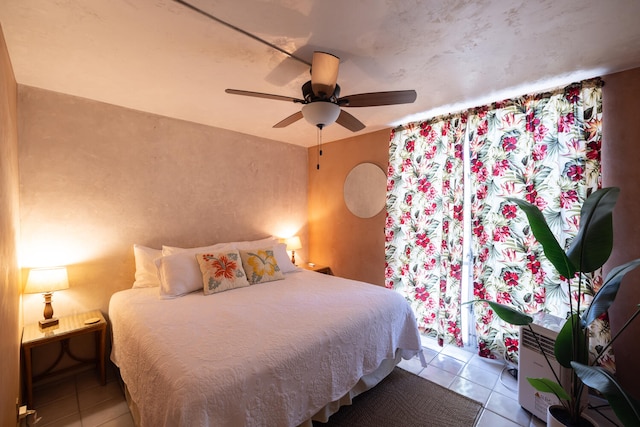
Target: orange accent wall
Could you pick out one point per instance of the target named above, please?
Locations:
(353, 247)
(621, 168)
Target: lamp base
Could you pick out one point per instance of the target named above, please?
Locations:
(47, 323)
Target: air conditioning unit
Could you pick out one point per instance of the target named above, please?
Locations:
(532, 364)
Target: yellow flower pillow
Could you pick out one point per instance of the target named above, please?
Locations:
(221, 271)
(260, 265)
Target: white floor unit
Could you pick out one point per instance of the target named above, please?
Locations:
(532, 364)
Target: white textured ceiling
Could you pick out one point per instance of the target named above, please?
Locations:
(161, 57)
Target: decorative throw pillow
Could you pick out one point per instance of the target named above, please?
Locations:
(260, 265)
(221, 271)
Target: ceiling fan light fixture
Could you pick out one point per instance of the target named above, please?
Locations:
(321, 113)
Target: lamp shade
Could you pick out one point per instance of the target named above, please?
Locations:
(321, 113)
(324, 73)
(43, 280)
(293, 243)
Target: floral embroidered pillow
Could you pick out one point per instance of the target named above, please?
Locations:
(221, 271)
(260, 265)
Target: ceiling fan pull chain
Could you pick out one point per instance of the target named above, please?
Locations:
(319, 145)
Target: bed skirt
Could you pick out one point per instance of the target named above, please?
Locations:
(365, 383)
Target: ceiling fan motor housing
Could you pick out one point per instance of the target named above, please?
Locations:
(309, 96)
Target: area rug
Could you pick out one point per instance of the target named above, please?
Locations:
(404, 399)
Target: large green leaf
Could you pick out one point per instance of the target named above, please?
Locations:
(571, 343)
(552, 249)
(607, 293)
(625, 407)
(546, 385)
(592, 246)
(508, 314)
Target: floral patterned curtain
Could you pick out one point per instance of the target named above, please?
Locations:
(424, 230)
(544, 148)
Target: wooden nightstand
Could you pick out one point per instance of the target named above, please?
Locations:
(68, 327)
(318, 268)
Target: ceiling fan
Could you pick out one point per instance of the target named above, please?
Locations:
(321, 100)
(321, 103)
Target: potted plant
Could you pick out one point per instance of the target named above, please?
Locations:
(588, 251)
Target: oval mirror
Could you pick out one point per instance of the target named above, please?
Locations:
(365, 190)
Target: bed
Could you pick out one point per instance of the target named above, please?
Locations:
(278, 353)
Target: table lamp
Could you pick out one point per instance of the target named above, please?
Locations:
(45, 281)
(293, 244)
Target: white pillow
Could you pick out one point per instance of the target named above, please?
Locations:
(172, 250)
(146, 270)
(249, 244)
(283, 260)
(179, 275)
(255, 244)
(179, 272)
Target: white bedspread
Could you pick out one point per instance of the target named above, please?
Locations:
(270, 354)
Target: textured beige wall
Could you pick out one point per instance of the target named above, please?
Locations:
(10, 318)
(96, 178)
(353, 247)
(620, 158)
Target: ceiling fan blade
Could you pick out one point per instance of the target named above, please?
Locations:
(324, 74)
(375, 99)
(263, 95)
(289, 120)
(347, 120)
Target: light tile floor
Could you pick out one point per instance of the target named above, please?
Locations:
(80, 401)
(486, 381)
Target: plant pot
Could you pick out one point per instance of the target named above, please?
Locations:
(557, 416)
